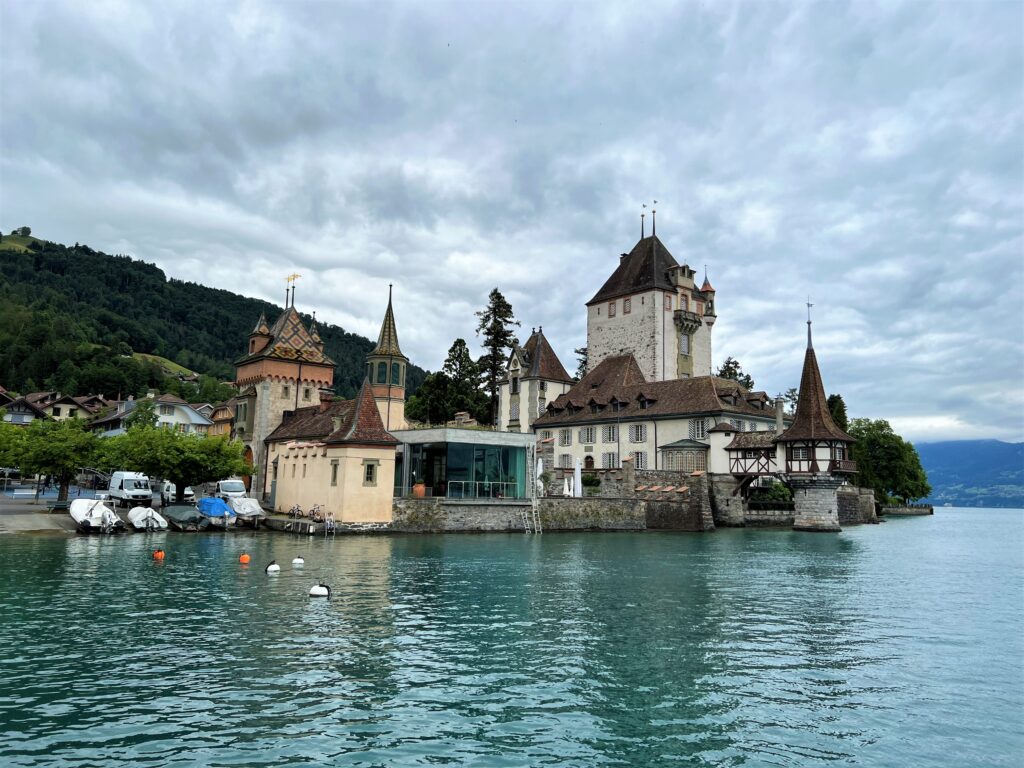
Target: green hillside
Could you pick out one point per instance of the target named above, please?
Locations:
(71, 318)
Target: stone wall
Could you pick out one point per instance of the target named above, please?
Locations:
(769, 517)
(856, 505)
(438, 515)
(817, 507)
(728, 509)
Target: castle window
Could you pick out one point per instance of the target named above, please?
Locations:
(684, 303)
(644, 403)
(166, 410)
(639, 459)
(839, 453)
(587, 435)
(285, 390)
(252, 346)
(370, 471)
(684, 344)
(307, 393)
(610, 433)
(513, 385)
(382, 372)
(293, 471)
(565, 437)
(513, 412)
(334, 472)
(303, 470)
(626, 306)
(638, 433)
(543, 386)
(609, 461)
(698, 429)
(668, 301)
(611, 309)
(800, 454)
(396, 374)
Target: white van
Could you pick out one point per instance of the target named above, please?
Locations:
(232, 488)
(169, 494)
(130, 489)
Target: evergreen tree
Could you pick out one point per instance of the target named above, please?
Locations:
(432, 402)
(463, 373)
(731, 369)
(791, 397)
(496, 323)
(582, 362)
(837, 407)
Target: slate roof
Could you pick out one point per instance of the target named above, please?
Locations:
(540, 361)
(365, 425)
(619, 378)
(289, 340)
(813, 421)
(387, 341)
(644, 268)
(752, 440)
(314, 422)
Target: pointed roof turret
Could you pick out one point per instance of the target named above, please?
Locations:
(314, 332)
(261, 326)
(540, 360)
(289, 340)
(365, 426)
(813, 420)
(387, 341)
(707, 286)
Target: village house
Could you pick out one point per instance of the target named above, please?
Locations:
(171, 411)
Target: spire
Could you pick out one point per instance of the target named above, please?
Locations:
(654, 220)
(314, 332)
(809, 305)
(707, 287)
(261, 326)
(387, 342)
(813, 420)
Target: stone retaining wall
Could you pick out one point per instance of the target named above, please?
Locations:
(439, 515)
(856, 505)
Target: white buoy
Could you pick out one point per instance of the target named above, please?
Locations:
(273, 567)
(320, 590)
(298, 562)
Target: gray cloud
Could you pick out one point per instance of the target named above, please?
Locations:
(867, 155)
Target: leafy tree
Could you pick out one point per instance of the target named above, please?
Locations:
(143, 415)
(59, 449)
(837, 407)
(432, 403)
(23, 231)
(213, 391)
(773, 492)
(791, 397)
(184, 459)
(886, 463)
(496, 323)
(11, 441)
(731, 369)
(582, 362)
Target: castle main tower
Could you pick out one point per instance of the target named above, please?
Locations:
(385, 369)
(651, 308)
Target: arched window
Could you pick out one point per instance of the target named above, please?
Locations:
(382, 372)
(396, 374)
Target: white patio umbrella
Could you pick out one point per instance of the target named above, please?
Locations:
(540, 471)
(565, 487)
(577, 479)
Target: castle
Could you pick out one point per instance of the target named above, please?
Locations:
(649, 398)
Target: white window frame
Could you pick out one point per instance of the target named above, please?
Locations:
(565, 461)
(638, 433)
(564, 438)
(698, 429)
(639, 459)
(610, 433)
(610, 460)
(587, 435)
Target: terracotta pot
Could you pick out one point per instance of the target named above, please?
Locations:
(419, 490)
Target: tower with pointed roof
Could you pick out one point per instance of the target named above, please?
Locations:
(650, 307)
(284, 368)
(815, 452)
(535, 376)
(386, 368)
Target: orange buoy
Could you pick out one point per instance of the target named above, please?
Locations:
(244, 558)
(158, 554)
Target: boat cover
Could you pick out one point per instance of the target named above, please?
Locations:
(214, 507)
(181, 513)
(246, 507)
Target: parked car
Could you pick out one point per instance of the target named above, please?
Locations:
(232, 488)
(169, 494)
(130, 489)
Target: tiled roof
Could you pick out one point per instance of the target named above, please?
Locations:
(365, 426)
(290, 340)
(171, 400)
(261, 326)
(644, 268)
(313, 423)
(619, 378)
(387, 341)
(813, 421)
(752, 440)
(540, 359)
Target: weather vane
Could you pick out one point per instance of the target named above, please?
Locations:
(290, 280)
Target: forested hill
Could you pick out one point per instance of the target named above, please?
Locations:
(69, 314)
(975, 473)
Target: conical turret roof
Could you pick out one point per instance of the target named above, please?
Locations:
(290, 340)
(365, 425)
(261, 326)
(387, 341)
(813, 420)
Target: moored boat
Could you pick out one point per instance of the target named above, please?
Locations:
(182, 517)
(93, 516)
(146, 519)
(217, 513)
(248, 511)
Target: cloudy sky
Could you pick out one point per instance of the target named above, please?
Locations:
(870, 156)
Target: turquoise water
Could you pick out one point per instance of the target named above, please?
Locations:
(896, 644)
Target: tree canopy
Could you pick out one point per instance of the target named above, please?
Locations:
(886, 463)
(582, 362)
(456, 387)
(496, 322)
(56, 448)
(837, 407)
(731, 369)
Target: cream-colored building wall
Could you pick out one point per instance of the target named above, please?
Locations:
(392, 413)
(533, 401)
(304, 473)
(65, 412)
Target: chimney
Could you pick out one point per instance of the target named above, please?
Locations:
(622, 256)
(778, 416)
(336, 423)
(326, 398)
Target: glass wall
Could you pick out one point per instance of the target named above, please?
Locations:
(468, 471)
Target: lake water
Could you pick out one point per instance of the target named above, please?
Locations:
(888, 645)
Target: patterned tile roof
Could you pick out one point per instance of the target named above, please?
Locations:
(290, 340)
(387, 341)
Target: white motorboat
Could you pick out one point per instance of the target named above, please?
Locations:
(93, 516)
(146, 519)
(249, 511)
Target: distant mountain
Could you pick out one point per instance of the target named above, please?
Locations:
(71, 317)
(974, 473)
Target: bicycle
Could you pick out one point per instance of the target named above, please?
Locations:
(295, 512)
(316, 513)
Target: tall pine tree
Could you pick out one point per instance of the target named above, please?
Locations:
(496, 323)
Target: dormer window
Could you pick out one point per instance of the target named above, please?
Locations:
(643, 403)
(618, 405)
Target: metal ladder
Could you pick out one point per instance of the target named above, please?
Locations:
(330, 526)
(531, 519)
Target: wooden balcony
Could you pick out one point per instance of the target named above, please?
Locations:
(842, 466)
